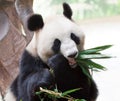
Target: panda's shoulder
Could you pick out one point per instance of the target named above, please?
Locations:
(27, 58)
(29, 62)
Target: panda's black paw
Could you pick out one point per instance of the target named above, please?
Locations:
(56, 60)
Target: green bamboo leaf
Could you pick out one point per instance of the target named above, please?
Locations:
(103, 47)
(89, 51)
(95, 65)
(84, 57)
(92, 56)
(92, 65)
(70, 91)
(96, 70)
(95, 50)
(38, 93)
(79, 100)
(85, 68)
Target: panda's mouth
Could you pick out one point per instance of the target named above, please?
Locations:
(72, 62)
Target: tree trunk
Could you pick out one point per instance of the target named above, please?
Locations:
(12, 41)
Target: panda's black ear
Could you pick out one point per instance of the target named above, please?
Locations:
(35, 22)
(67, 11)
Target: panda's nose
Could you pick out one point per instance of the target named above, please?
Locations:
(72, 55)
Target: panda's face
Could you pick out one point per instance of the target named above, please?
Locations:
(59, 34)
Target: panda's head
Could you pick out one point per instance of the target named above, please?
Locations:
(58, 34)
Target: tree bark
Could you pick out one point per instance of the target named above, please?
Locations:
(12, 40)
(24, 10)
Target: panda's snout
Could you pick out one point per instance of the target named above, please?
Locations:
(69, 49)
(73, 55)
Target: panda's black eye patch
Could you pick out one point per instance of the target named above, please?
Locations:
(75, 38)
(56, 45)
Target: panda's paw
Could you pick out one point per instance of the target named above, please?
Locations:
(36, 88)
(55, 60)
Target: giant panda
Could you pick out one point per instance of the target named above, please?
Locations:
(55, 44)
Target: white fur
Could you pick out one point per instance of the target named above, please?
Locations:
(32, 46)
(0, 97)
(9, 96)
(68, 47)
(56, 27)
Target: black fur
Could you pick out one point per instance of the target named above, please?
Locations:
(56, 45)
(75, 38)
(73, 55)
(71, 78)
(14, 86)
(67, 11)
(35, 22)
(33, 74)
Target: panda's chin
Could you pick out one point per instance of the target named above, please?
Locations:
(72, 62)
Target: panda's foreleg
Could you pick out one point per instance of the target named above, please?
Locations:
(29, 85)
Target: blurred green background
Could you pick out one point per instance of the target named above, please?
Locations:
(83, 9)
